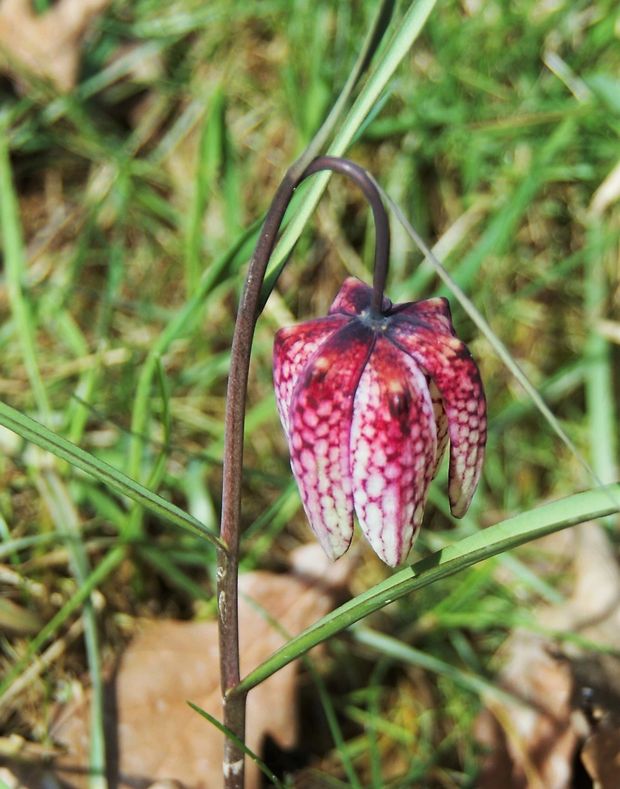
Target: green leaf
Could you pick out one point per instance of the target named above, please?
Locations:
(475, 548)
(232, 736)
(36, 433)
(397, 49)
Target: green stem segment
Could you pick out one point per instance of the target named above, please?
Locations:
(228, 557)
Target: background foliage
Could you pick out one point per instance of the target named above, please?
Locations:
(137, 193)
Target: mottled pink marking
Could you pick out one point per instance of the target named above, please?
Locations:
(448, 362)
(441, 420)
(393, 448)
(293, 347)
(368, 405)
(354, 298)
(431, 313)
(320, 429)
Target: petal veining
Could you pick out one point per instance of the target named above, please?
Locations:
(352, 299)
(319, 433)
(293, 347)
(448, 362)
(393, 449)
(441, 421)
(431, 313)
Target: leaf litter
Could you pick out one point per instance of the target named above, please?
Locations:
(152, 734)
(567, 717)
(47, 45)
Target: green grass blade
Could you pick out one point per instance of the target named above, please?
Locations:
(599, 375)
(67, 524)
(498, 346)
(503, 225)
(103, 472)
(326, 702)
(369, 48)
(208, 162)
(388, 646)
(409, 29)
(14, 262)
(475, 548)
(228, 733)
(107, 565)
(179, 324)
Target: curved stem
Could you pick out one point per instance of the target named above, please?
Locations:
(372, 193)
(228, 559)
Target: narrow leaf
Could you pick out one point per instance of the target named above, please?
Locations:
(36, 433)
(475, 548)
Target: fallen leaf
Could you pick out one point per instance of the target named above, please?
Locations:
(534, 744)
(18, 619)
(155, 734)
(601, 753)
(46, 45)
(531, 742)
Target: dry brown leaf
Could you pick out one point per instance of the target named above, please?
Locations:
(46, 45)
(601, 753)
(535, 745)
(531, 744)
(157, 736)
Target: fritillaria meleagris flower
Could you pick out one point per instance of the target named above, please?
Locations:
(368, 405)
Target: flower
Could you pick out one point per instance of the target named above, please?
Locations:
(368, 404)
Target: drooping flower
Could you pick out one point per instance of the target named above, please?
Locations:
(369, 403)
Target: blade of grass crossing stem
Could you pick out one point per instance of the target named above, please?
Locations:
(66, 521)
(475, 548)
(326, 703)
(103, 472)
(228, 733)
(408, 30)
(498, 346)
(14, 262)
(106, 566)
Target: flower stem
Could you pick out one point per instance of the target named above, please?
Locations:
(228, 558)
(372, 193)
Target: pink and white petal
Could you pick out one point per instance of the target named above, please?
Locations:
(441, 422)
(448, 362)
(393, 449)
(353, 298)
(320, 429)
(293, 347)
(431, 313)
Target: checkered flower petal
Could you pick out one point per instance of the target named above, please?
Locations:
(393, 449)
(354, 298)
(453, 371)
(293, 348)
(368, 403)
(321, 412)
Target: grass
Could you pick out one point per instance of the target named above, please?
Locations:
(129, 209)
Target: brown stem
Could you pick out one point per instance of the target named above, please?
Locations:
(228, 560)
